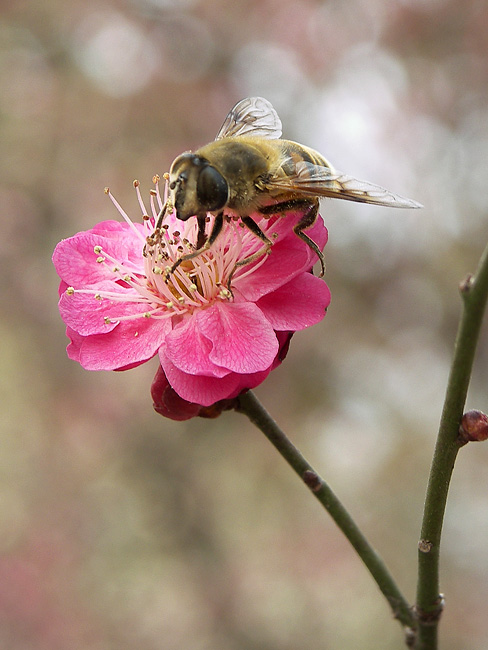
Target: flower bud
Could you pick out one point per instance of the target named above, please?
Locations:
(474, 427)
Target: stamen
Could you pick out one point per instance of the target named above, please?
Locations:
(124, 214)
(139, 198)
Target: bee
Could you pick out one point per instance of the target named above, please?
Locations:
(249, 169)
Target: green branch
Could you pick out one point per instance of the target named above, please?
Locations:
(250, 406)
(429, 600)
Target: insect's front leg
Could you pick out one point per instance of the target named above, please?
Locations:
(203, 242)
(307, 220)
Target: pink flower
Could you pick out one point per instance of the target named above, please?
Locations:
(120, 309)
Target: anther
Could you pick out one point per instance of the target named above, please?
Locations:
(225, 294)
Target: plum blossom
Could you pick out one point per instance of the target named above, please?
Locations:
(122, 305)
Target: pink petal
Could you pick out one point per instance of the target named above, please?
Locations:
(189, 350)
(85, 314)
(243, 340)
(76, 261)
(298, 304)
(197, 388)
(129, 343)
(209, 390)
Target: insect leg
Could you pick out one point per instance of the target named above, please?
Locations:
(207, 243)
(256, 230)
(201, 237)
(308, 219)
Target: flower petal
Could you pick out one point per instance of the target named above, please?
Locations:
(243, 340)
(131, 342)
(197, 388)
(298, 304)
(209, 390)
(76, 261)
(189, 350)
(86, 314)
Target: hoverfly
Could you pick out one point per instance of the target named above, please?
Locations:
(249, 169)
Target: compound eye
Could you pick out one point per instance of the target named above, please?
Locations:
(212, 189)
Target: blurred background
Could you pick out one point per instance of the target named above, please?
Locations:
(120, 529)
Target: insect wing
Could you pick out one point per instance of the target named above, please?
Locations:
(319, 181)
(251, 116)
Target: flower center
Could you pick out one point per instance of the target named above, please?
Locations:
(193, 283)
(162, 288)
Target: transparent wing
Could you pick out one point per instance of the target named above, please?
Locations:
(314, 180)
(251, 116)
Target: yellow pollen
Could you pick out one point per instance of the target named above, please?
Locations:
(107, 320)
(225, 293)
(100, 259)
(97, 250)
(70, 291)
(147, 315)
(98, 296)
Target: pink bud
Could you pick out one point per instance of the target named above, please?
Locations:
(474, 427)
